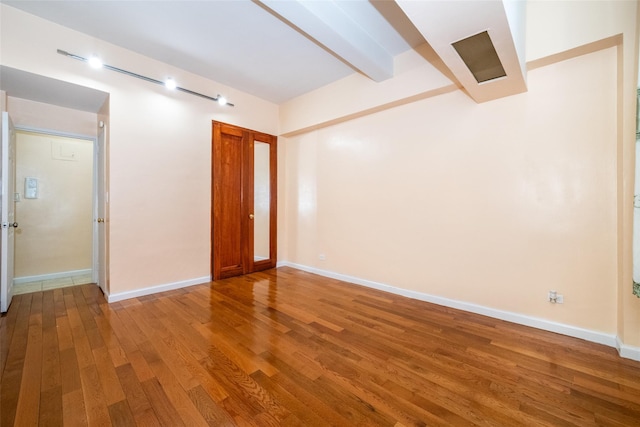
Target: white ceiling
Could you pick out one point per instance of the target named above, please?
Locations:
(238, 43)
(280, 49)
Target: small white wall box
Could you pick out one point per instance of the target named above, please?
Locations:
(30, 188)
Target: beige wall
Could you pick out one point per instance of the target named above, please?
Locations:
(55, 233)
(160, 169)
(557, 26)
(493, 204)
(319, 220)
(159, 149)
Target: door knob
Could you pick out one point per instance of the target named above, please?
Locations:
(251, 216)
(14, 225)
(100, 219)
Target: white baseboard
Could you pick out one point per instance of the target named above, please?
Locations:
(535, 322)
(628, 351)
(120, 296)
(50, 276)
(610, 340)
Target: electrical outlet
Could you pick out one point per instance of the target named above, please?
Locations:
(322, 257)
(555, 298)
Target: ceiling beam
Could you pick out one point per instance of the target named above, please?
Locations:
(327, 24)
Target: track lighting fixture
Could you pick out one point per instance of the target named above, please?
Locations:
(170, 83)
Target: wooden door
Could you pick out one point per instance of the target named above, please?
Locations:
(244, 201)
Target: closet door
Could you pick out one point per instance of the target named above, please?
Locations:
(244, 201)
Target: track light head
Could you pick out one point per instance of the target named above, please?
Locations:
(170, 83)
(94, 62)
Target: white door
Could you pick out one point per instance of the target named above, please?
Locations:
(7, 220)
(100, 240)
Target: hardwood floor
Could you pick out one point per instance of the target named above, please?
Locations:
(284, 348)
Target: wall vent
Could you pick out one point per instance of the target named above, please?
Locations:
(480, 56)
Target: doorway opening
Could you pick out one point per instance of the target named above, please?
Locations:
(55, 203)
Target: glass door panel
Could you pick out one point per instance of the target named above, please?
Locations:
(261, 201)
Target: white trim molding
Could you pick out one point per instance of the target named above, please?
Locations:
(50, 276)
(627, 351)
(535, 322)
(120, 296)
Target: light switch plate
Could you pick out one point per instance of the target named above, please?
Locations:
(30, 188)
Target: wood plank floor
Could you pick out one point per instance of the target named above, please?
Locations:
(288, 348)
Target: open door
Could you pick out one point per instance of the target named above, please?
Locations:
(7, 220)
(100, 211)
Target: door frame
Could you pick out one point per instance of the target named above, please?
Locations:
(247, 139)
(98, 156)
